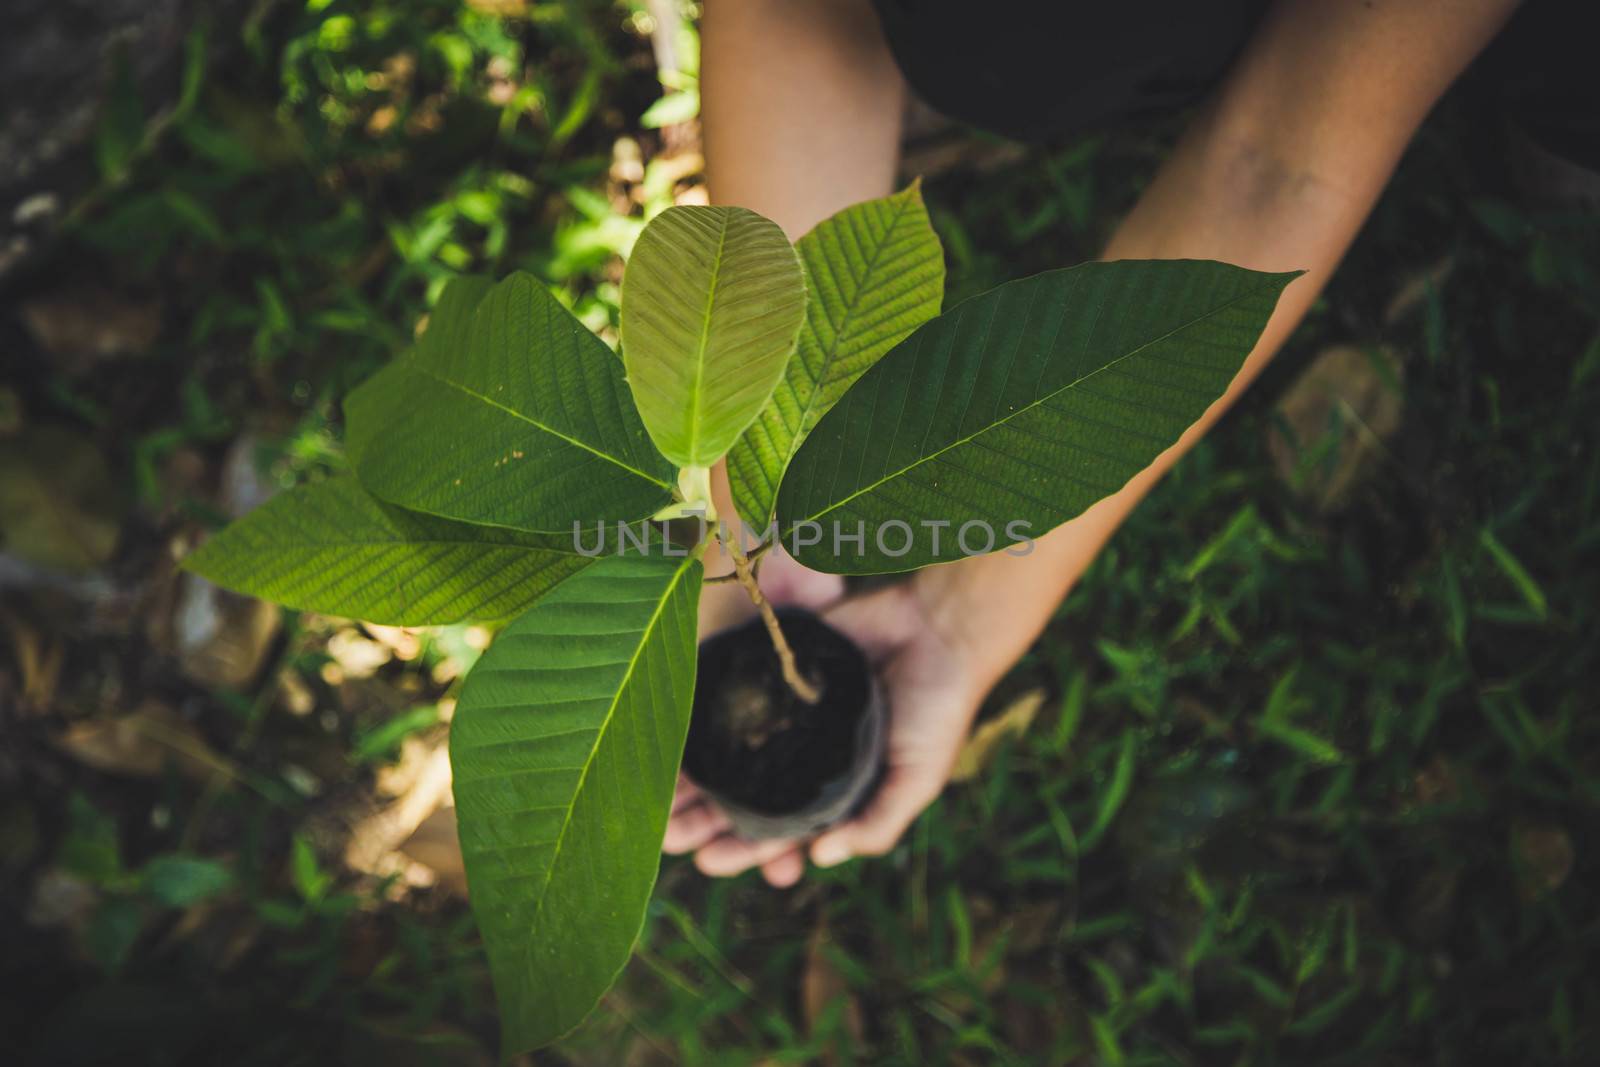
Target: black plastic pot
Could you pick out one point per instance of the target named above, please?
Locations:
(778, 766)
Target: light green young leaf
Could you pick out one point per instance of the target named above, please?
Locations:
(712, 300)
(565, 749)
(1016, 410)
(332, 547)
(874, 273)
(520, 419)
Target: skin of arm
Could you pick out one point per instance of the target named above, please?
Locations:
(1276, 172)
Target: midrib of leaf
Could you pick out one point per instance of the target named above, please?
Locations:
(409, 541)
(599, 738)
(705, 341)
(833, 349)
(836, 505)
(551, 430)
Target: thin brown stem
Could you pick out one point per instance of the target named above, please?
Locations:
(744, 574)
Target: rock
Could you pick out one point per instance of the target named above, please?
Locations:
(244, 485)
(61, 900)
(81, 326)
(220, 638)
(436, 845)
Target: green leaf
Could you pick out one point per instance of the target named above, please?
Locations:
(1305, 742)
(112, 932)
(1116, 792)
(383, 741)
(310, 880)
(520, 419)
(1513, 569)
(178, 881)
(565, 749)
(449, 326)
(334, 548)
(874, 273)
(90, 849)
(1017, 409)
(120, 131)
(712, 301)
(671, 110)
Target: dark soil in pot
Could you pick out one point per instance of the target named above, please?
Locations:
(778, 766)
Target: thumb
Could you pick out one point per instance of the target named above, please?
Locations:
(905, 792)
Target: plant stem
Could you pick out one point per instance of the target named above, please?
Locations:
(746, 576)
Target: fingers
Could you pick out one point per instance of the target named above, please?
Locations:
(903, 795)
(693, 827)
(684, 794)
(784, 871)
(697, 824)
(727, 856)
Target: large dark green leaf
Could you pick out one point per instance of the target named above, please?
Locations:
(527, 423)
(712, 299)
(1023, 405)
(565, 749)
(332, 547)
(874, 272)
(450, 323)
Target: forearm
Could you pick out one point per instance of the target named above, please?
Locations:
(1274, 176)
(802, 107)
(1210, 201)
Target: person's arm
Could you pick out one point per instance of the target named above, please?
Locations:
(801, 112)
(1277, 173)
(801, 107)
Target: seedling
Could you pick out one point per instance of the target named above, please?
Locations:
(511, 467)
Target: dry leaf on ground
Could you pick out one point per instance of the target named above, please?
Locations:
(1343, 392)
(58, 505)
(980, 748)
(143, 743)
(822, 986)
(38, 663)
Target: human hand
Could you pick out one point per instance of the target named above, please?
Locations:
(933, 683)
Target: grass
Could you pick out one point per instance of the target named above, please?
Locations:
(1311, 786)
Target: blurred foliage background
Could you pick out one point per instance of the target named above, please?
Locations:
(1306, 770)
